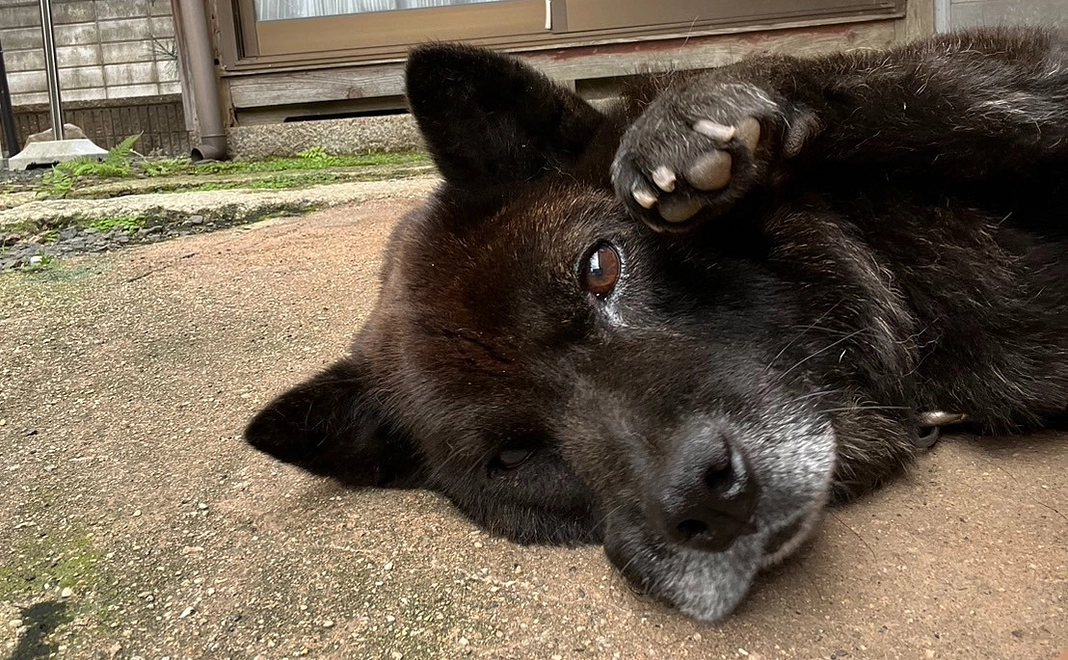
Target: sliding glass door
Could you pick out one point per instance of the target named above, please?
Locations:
(282, 10)
(297, 27)
(370, 29)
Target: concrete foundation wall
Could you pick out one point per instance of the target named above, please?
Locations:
(336, 136)
(106, 49)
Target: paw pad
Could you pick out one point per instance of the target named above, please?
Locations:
(711, 171)
(707, 171)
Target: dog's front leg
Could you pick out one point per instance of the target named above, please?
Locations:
(975, 108)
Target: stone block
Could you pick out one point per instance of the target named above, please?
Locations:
(85, 94)
(123, 52)
(85, 77)
(109, 9)
(162, 26)
(24, 82)
(160, 7)
(23, 38)
(167, 71)
(134, 73)
(131, 91)
(24, 60)
(81, 11)
(22, 16)
(76, 34)
(28, 98)
(132, 29)
(164, 49)
(72, 56)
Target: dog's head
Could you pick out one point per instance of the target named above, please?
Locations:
(565, 374)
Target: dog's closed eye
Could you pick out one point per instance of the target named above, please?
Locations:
(511, 458)
(601, 271)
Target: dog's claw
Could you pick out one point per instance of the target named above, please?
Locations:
(714, 130)
(931, 424)
(928, 436)
(664, 178)
(712, 171)
(940, 418)
(749, 132)
(645, 197)
(680, 210)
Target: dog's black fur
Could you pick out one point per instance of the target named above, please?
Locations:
(886, 239)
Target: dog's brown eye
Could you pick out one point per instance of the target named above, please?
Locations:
(602, 271)
(510, 459)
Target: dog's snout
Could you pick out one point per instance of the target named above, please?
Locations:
(706, 494)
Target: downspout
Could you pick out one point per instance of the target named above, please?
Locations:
(195, 38)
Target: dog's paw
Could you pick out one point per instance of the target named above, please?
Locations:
(701, 148)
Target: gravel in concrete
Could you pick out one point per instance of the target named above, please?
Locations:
(135, 522)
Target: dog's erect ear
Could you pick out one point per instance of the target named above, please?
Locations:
(489, 119)
(333, 425)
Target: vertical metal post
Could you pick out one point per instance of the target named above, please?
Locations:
(51, 70)
(7, 115)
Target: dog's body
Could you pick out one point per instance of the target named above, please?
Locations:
(831, 249)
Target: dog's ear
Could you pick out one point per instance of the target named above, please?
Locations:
(489, 119)
(334, 425)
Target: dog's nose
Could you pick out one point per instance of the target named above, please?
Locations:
(706, 494)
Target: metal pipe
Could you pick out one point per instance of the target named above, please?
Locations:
(7, 114)
(200, 66)
(51, 69)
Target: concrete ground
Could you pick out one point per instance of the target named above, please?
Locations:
(136, 524)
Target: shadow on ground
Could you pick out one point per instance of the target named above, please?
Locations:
(40, 620)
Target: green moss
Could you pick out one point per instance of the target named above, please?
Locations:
(41, 566)
(71, 562)
(282, 181)
(315, 158)
(311, 159)
(122, 161)
(127, 223)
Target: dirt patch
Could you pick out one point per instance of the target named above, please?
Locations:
(137, 524)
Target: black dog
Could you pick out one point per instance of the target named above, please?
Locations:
(835, 252)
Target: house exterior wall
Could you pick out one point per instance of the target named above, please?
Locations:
(105, 49)
(958, 14)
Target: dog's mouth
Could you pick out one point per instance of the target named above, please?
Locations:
(708, 581)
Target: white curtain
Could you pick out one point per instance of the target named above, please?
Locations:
(278, 10)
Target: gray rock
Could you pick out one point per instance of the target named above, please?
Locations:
(70, 132)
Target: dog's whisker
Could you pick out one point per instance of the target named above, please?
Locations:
(822, 350)
(861, 407)
(814, 395)
(805, 329)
